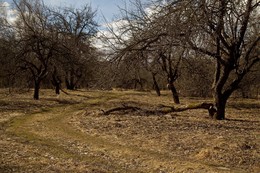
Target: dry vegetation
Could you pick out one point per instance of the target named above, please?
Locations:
(69, 133)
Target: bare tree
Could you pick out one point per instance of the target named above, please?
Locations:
(227, 31)
(6, 50)
(230, 30)
(76, 28)
(36, 40)
(151, 36)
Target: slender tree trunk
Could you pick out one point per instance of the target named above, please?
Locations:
(174, 93)
(36, 89)
(156, 86)
(56, 81)
(57, 89)
(135, 84)
(57, 85)
(140, 82)
(69, 80)
(70, 84)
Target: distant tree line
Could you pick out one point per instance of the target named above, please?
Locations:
(193, 48)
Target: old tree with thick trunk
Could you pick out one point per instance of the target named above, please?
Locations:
(230, 34)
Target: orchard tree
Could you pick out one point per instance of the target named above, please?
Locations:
(149, 36)
(227, 31)
(76, 28)
(53, 41)
(36, 40)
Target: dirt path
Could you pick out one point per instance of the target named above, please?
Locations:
(76, 138)
(52, 133)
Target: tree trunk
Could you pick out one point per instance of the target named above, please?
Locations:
(135, 84)
(69, 84)
(36, 90)
(57, 89)
(220, 103)
(174, 93)
(69, 80)
(156, 86)
(56, 81)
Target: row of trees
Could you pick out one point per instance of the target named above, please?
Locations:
(197, 48)
(222, 32)
(46, 42)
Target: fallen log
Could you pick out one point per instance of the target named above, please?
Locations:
(164, 109)
(124, 108)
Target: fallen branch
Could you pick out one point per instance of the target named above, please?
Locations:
(124, 108)
(64, 92)
(163, 109)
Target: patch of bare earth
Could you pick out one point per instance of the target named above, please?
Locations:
(70, 133)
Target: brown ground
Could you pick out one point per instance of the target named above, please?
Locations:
(69, 133)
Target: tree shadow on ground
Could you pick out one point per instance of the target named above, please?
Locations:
(244, 105)
(241, 120)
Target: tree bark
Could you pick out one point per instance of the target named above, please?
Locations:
(174, 93)
(220, 103)
(57, 89)
(56, 81)
(69, 84)
(69, 80)
(36, 90)
(156, 86)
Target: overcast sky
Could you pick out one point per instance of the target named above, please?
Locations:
(108, 8)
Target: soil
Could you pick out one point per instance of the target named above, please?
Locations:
(70, 133)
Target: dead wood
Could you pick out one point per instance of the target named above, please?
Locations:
(123, 108)
(64, 92)
(163, 109)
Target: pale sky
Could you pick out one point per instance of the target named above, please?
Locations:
(108, 8)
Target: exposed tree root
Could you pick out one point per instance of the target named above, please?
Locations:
(163, 109)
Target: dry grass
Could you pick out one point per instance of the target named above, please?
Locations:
(69, 133)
